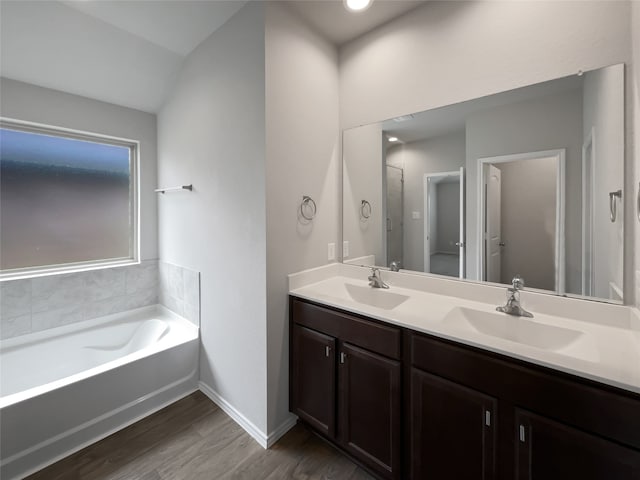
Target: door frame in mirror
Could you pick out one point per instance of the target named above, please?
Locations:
(427, 186)
(559, 261)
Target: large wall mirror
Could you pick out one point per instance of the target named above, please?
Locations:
(525, 182)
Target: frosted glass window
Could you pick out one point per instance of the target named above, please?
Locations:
(64, 200)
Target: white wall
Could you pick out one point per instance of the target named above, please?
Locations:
(604, 114)
(549, 123)
(426, 59)
(364, 179)
(211, 132)
(302, 158)
(445, 153)
(446, 52)
(23, 101)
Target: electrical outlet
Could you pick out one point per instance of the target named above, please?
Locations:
(331, 251)
(345, 249)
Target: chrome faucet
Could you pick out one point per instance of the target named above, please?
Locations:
(513, 306)
(375, 280)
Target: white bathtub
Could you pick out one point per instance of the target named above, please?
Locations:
(67, 387)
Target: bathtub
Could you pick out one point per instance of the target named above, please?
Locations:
(67, 387)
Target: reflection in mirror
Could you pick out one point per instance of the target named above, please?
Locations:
(521, 182)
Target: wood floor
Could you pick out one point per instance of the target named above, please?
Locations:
(194, 439)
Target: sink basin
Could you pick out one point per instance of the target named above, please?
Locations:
(375, 297)
(514, 329)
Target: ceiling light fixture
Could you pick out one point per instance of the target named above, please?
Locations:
(393, 139)
(357, 5)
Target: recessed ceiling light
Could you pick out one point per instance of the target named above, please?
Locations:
(393, 139)
(357, 5)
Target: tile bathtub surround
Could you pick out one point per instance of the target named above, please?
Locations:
(36, 304)
(180, 291)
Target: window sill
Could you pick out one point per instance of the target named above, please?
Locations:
(26, 273)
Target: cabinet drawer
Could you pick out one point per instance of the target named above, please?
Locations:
(373, 336)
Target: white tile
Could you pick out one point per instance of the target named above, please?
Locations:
(15, 298)
(56, 318)
(101, 284)
(13, 327)
(172, 303)
(142, 277)
(191, 281)
(57, 291)
(171, 280)
(108, 306)
(192, 314)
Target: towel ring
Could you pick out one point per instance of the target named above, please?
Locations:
(365, 209)
(612, 204)
(309, 204)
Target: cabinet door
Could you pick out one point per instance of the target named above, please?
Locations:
(548, 450)
(453, 433)
(370, 409)
(313, 382)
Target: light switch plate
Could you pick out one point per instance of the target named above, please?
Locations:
(331, 251)
(345, 249)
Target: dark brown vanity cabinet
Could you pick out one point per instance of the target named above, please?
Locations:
(488, 416)
(551, 450)
(452, 429)
(466, 413)
(313, 379)
(346, 383)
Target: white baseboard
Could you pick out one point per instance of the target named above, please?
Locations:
(279, 432)
(264, 440)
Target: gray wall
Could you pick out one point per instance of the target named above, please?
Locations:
(554, 122)
(633, 145)
(363, 180)
(528, 213)
(430, 64)
(604, 113)
(302, 158)
(444, 153)
(23, 101)
(448, 229)
(211, 132)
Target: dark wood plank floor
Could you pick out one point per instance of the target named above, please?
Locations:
(194, 439)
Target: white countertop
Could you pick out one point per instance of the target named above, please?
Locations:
(607, 349)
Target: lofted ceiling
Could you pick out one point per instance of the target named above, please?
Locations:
(119, 51)
(129, 52)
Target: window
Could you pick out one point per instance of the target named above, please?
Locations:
(68, 200)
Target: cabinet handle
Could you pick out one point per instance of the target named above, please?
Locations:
(327, 350)
(487, 418)
(522, 437)
(343, 357)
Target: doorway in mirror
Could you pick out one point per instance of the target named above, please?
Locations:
(522, 212)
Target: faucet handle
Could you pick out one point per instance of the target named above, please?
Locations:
(517, 282)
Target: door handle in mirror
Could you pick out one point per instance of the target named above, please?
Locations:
(501, 244)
